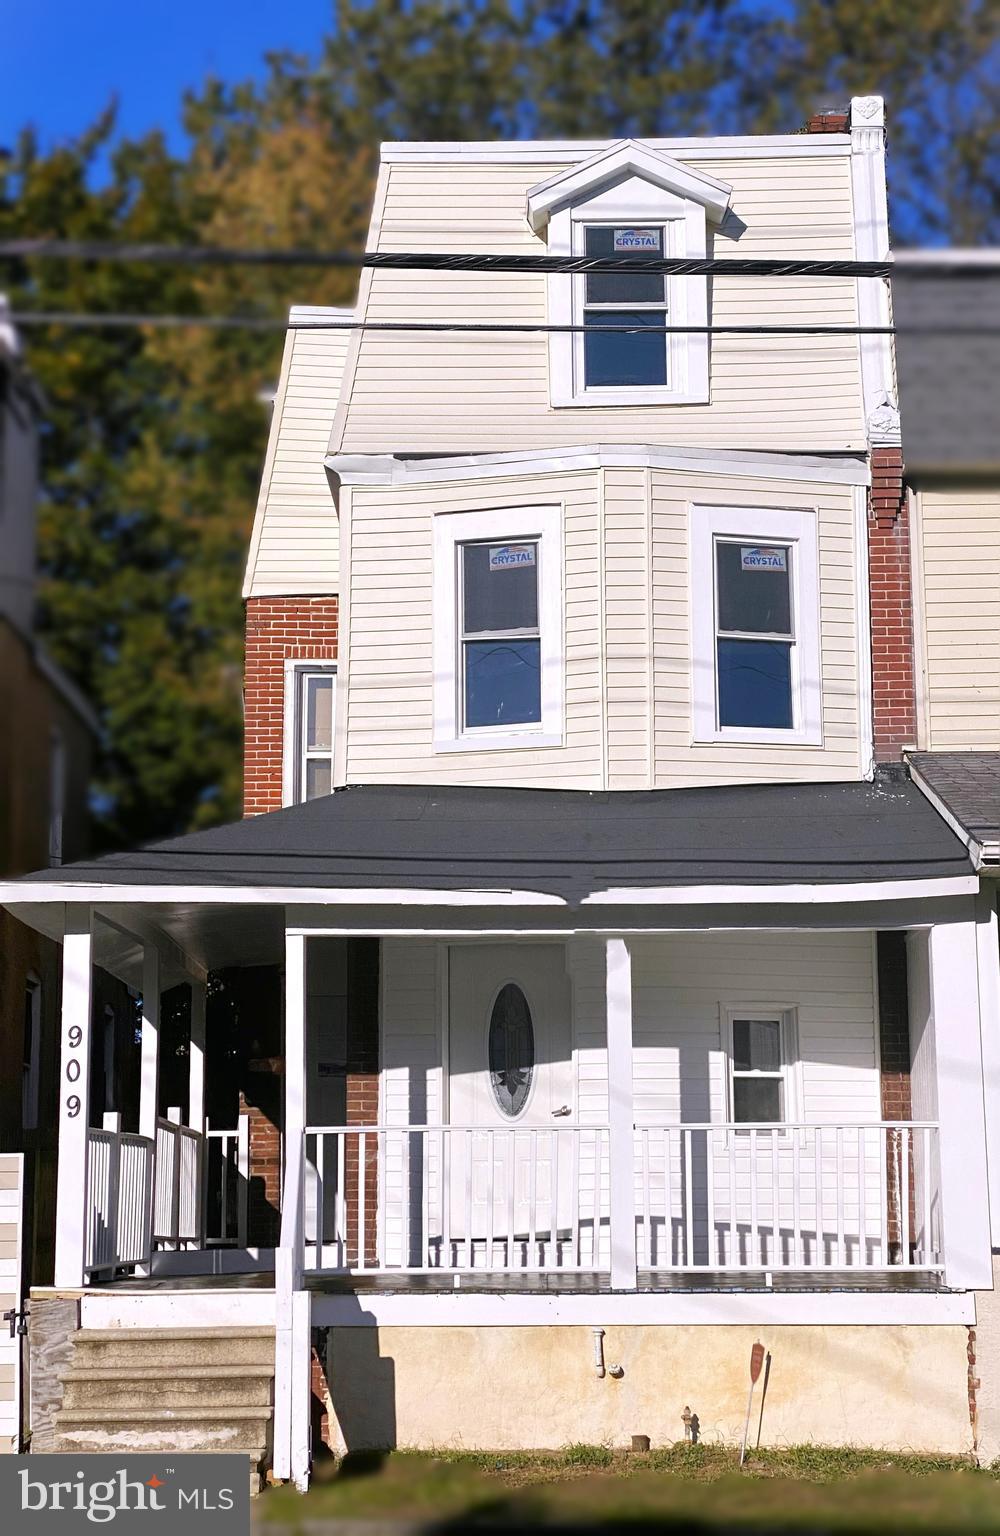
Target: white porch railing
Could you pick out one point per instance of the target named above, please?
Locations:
(422, 1199)
(118, 1198)
(708, 1198)
(790, 1197)
(177, 1195)
(227, 1182)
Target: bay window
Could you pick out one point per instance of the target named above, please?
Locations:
(497, 629)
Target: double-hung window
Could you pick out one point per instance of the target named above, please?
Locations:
(501, 640)
(310, 714)
(638, 357)
(497, 629)
(755, 626)
(754, 634)
(31, 1053)
(762, 1061)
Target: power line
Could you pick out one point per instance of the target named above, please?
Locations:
(966, 264)
(114, 320)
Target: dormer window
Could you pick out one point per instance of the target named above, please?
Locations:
(624, 359)
(629, 201)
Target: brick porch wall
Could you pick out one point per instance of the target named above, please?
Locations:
(278, 629)
(893, 675)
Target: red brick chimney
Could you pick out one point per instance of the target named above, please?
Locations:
(828, 121)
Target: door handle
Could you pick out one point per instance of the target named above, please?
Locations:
(559, 1113)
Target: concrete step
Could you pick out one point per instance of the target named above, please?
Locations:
(169, 1347)
(224, 1428)
(146, 1385)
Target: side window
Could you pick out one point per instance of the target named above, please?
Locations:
(762, 1058)
(500, 636)
(756, 658)
(498, 629)
(31, 1050)
(57, 795)
(310, 716)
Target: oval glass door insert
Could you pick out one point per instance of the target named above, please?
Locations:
(511, 1050)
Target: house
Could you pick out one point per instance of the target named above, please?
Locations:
(948, 356)
(45, 750)
(608, 994)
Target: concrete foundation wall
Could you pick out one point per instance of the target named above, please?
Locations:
(902, 1388)
(987, 1369)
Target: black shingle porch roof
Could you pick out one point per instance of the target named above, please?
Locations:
(564, 842)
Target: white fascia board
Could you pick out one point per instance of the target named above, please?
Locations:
(572, 151)
(625, 158)
(303, 314)
(383, 469)
(750, 1308)
(976, 849)
(23, 893)
(26, 893)
(760, 895)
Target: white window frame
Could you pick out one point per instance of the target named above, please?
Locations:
(791, 1068)
(294, 756)
(684, 223)
(451, 531)
(762, 525)
(31, 1063)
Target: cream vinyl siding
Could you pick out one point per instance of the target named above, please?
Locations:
(628, 656)
(682, 986)
(425, 393)
(960, 581)
(294, 545)
(11, 1174)
(388, 645)
(676, 759)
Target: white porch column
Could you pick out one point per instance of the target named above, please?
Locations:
(74, 1098)
(988, 945)
(295, 1038)
(149, 1064)
(196, 1061)
(948, 1068)
(621, 1116)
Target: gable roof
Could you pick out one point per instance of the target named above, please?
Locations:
(569, 844)
(609, 166)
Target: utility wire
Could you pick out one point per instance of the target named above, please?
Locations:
(453, 261)
(96, 319)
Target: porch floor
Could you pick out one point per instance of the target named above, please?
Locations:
(542, 1284)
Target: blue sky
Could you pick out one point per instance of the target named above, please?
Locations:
(64, 59)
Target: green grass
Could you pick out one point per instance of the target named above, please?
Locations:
(698, 1489)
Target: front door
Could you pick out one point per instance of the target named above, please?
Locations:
(512, 1105)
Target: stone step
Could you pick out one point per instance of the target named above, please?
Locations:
(147, 1386)
(169, 1347)
(223, 1428)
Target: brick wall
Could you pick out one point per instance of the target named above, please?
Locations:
(278, 629)
(893, 675)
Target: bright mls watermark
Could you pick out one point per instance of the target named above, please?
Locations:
(63, 1493)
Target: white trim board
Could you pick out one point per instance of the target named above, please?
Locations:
(25, 893)
(196, 1308)
(771, 1308)
(383, 469)
(544, 151)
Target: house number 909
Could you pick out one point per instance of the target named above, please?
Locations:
(74, 1037)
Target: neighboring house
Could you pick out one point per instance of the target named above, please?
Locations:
(45, 750)
(948, 355)
(621, 1005)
